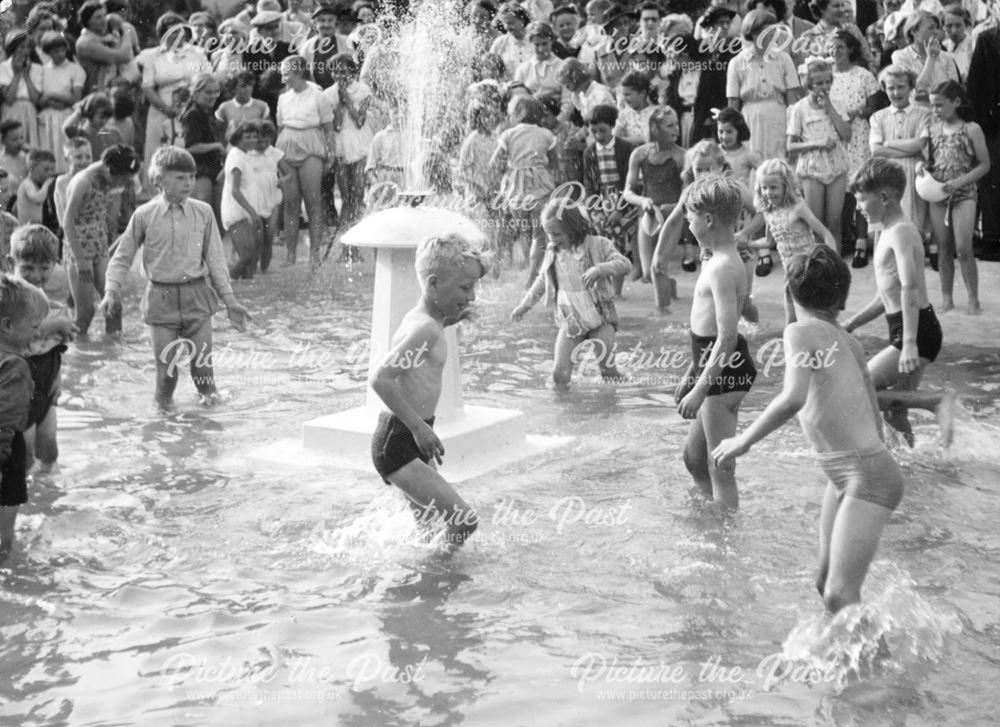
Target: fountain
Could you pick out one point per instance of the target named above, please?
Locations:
(419, 79)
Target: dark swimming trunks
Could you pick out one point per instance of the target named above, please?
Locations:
(393, 445)
(738, 374)
(14, 487)
(929, 335)
(45, 373)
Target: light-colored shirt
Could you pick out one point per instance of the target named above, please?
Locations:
(180, 242)
(352, 142)
(513, 51)
(540, 77)
(307, 109)
(750, 79)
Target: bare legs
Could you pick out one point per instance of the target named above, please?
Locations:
(568, 348)
(827, 202)
(431, 496)
(305, 185)
(952, 240)
(716, 420)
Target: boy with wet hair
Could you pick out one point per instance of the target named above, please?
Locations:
(404, 445)
(22, 309)
(183, 260)
(33, 253)
(901, 294)
(828, 385)
(721, 372)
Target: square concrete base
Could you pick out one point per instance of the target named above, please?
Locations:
(480, 440)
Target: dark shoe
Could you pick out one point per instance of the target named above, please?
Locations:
(932, 256)
(764, 265)
(860, 258)
(689, 266)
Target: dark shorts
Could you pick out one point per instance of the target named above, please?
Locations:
(393, 445)
(180, 307)
(45, 373)
(928, 332)
(871, 475)
(14, 488)
(738, 374)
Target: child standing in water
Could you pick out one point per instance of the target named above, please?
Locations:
(181, 253)
(721, 372)
(828, 386)
(817, 137)
(577, 274)
(525, 157)
(404, 443)
(959, 158)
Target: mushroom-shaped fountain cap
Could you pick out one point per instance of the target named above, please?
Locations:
(406, 227)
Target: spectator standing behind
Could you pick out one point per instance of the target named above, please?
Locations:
(241, 107)
(61, 87)
(166, 67)
(565, 22)
(540, 75)
(513, 46)
(320, 50)
(924, 57)
(98, 51)
(984, 93)
(34, 190)
(13, 159)
(264, 58)
(20, 80)
(203, 137)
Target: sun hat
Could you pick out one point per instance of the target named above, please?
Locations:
(615, 13)
(267, 17)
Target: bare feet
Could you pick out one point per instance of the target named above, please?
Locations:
(946, 417)
(636, 274)
(947, 304)
(974, 308)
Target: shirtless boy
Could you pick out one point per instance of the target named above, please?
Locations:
(721, 372)
(829, 387)
(914, 331)
(404, 446)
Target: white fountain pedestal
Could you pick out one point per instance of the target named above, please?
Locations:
(476, 439)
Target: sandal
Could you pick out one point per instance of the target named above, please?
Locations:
(764, 265)
(932, 255)
(860, 258)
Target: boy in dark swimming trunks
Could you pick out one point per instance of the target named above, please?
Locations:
(914, 332)
(404, 446)
(828, 385)
(721, 372)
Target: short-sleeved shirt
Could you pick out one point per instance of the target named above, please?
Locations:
(307, 109)
(351, 142)
(767, 78)
(513, 51)
(540, 77)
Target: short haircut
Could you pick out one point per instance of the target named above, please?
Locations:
(7, 126)
(734, 118)
(755, 21)
(567, 212)
(777, 168)
(878, 174)
(245, 78)
(637, 81)
(818, 279)
(171, 159)
(650, 6)
(527, 110)
(708, 149)
(778, 7)
(960, 12)
(34, 243)
(96, 103)
(564, 10)
(20, 299)
(815, 66)
(603, 114)
(40, 156)
(896, 71)
(52, 39)
(445, 254)
(241, 129)
(86, 10)
(720, 195)
(77, 142)
(267, 128)
(120, 160)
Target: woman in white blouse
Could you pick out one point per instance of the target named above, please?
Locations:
(513, 46)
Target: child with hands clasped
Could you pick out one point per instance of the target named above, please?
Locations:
(404, 445)
(721, 371)
(817, 135)
(827, 385)
(181, 253)
(577, 273)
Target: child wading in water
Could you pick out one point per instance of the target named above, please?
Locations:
(721, 371)
(404, 446)
(577, 273)
(959, 158)
(181, 254)
(828, 386)
(914, 331)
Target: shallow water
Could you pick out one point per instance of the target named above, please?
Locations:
(167, 578)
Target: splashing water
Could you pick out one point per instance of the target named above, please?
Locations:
(892, 631)
(425, 75)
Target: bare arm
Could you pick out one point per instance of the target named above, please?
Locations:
(909, 292)
(384, 380)
(870, 312)
(632, 181)
(982, 167)
(93, 50)
(241, 200)
(807, 216)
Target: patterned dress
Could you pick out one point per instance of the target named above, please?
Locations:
(812, 124)
(952, 155)
(92, 223)
(850, 92)
(790, 234)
